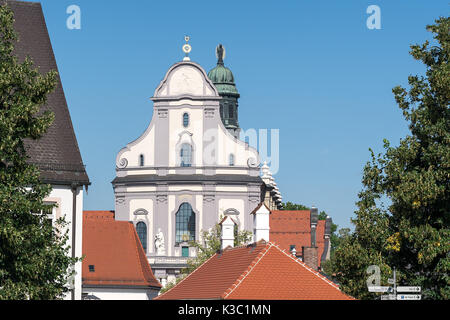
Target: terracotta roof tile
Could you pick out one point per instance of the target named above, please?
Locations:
(259, 272)
(212, 279)
(114, 249)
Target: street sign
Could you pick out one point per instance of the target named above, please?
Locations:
(389, 297)
(409, 297)
(408, 289)
(379, 289)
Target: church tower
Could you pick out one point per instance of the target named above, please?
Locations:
(223, 80)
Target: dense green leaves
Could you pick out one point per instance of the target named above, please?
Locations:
(403, 212)
(34, 263)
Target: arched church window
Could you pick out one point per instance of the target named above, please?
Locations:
(231, 160)
(141, 229)
(185, 224)
(186, 155)
(185, 120)
(141, 160)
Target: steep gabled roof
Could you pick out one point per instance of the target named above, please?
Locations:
(56, 154)
(114, 250)
(293, 227)
(261, 271)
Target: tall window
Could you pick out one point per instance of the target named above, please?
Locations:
(185, 120)
(231, 160)
(185, 224)
(141, 230)
(186, 155)
(141, 160)
(230, 112)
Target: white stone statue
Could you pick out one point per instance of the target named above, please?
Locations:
(159, 243)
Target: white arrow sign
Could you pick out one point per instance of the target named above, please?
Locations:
(408, 289)
(409, 297)
(379, 289)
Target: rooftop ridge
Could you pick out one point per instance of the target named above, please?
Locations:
(250, 268)
(165, 293)
(316, 273)
(253, 244)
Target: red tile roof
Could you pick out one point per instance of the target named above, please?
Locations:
(260, 271)
(114, 249)
(294, 228)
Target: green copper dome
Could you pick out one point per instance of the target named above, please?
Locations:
(222, 77)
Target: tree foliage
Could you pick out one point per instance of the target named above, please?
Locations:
(33, 259)
(409, 231)
(293, 206)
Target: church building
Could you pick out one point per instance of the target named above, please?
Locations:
(189, 168)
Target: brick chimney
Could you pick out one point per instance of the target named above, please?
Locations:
(310, 254)
(310, 257)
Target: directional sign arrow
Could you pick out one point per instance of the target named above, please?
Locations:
(408, 289)
(378, 289)
(409, 297)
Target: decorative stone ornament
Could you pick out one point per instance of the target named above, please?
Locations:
(187, 48)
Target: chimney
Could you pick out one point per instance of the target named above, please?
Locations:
(327, 242)
(261, 223)
(314, 220)
(310, 254)
(227, 239)
(310, 257)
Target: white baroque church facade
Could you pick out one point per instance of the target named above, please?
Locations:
(189, 169)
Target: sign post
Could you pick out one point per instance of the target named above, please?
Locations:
(392, 291)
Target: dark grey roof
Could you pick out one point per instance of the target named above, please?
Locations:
(195, 178)
(56, 154)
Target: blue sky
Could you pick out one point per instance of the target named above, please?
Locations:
(311, 69)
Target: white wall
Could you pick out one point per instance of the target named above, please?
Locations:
(62, 196)
(121, 294)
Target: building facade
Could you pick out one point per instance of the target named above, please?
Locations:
(188, 169)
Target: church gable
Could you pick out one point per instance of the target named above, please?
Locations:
(185, 79)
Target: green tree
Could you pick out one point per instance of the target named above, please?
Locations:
(210, 244)
(293, 206)
(402, 219)
(33, 259)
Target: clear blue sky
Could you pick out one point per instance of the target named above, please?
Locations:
(309, 68)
